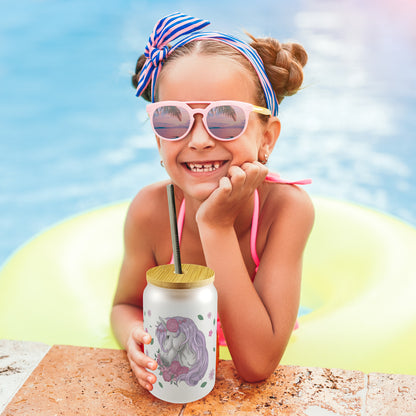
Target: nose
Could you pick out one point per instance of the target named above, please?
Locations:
(199, 138)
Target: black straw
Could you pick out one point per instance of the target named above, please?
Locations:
(174, 229)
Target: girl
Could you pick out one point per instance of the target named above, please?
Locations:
(214, 113)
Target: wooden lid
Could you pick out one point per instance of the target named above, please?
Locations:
(192, 276)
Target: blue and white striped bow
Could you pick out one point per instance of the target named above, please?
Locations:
(176, 25)
(165, 31)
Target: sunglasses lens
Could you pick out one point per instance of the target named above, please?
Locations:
(226, 121)
(170, 122)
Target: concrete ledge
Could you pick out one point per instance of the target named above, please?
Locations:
(17, 361)
(80, 380)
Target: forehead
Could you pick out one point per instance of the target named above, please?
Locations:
(201, 77)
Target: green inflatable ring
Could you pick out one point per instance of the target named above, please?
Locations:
(359, 285)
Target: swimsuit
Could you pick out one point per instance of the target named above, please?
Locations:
(271, 177)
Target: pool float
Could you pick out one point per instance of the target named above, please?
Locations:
(359, 285)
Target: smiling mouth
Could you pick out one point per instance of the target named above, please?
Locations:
(205, 166)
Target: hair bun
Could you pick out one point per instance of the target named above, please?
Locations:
(147, 95)
(283, 63)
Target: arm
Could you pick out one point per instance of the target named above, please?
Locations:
(127, 313)
(258, 319)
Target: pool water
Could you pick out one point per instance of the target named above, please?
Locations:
(74, 136)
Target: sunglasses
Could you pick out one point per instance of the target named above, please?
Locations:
(224, 120)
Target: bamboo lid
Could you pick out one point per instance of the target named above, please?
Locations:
(192, 276)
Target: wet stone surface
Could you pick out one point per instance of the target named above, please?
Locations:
(90, 381)
(289, 391)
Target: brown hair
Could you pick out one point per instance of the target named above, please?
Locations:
(283, 63)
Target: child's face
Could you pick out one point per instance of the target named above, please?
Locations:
(207, 78)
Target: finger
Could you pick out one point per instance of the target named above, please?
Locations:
(237, 176)
(255, 167)
(225, 185)
(142, 360)
(223, 191)
(145, 379)
(255, 173)
(141, 336)
(141, 363)
(263, 169)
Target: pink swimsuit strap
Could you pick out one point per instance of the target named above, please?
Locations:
(271, 177)
(274, 178)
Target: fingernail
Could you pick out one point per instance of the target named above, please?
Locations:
(151, 366)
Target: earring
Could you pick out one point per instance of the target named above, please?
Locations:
(162, 164)
(264, 161)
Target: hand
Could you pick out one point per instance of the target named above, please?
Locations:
(139, 362)
(222, 207)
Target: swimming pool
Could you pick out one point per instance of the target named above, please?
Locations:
(74, 136)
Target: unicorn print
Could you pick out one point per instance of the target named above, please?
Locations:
(183, 354)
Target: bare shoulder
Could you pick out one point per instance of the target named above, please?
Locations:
(287, 197)
(147, 218)
(146, 205)
(289, 203)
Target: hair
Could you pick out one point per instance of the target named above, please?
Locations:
(283, 63)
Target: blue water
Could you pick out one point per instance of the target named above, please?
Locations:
(73, 136)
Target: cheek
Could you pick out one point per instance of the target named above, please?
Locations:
(166, 149)
(254, 138)
(260, 137)
(169, 153)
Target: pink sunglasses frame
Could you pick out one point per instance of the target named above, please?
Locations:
(246, 107)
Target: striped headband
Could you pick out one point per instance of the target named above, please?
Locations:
(178, 25)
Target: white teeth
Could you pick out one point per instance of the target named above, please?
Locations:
(199, 167)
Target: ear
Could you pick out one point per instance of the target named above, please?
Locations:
(270, 135)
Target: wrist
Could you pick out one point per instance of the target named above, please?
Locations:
(207, 226)
(214, 237)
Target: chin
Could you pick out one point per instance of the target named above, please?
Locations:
(201, 191)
